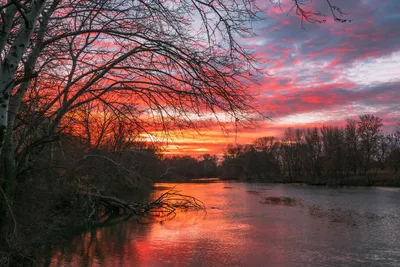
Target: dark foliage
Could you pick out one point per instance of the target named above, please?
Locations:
(358, 153)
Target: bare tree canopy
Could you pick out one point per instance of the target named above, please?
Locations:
(301, 8)
(150, 63)
(174, 60)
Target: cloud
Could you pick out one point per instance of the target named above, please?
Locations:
(324, 73)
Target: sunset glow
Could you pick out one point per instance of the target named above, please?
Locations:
(322, 74)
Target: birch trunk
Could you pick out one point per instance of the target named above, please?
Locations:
(11, 62)
(7, 24)
(7, 73)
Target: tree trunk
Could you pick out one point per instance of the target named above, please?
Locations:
(11, 62)
(8, 156)
(7, 73)
(7, 25)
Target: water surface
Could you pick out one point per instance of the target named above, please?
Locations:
(326, 227)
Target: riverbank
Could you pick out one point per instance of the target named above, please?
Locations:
(384, 179)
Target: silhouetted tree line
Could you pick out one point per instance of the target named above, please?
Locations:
(184, 167)
(330, 154)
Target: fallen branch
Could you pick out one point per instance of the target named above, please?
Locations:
(165, 206)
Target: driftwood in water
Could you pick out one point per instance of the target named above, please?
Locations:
(165, 206)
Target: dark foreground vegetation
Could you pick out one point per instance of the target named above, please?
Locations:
(355, 154)
(75, 188)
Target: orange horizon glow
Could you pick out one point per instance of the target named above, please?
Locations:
(215, 141)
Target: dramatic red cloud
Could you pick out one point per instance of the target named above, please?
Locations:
(322, 74)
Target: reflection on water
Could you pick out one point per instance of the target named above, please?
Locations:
(331, 227)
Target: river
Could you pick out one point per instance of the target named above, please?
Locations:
(355, 226)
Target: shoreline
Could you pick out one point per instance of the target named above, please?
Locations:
(341, 182)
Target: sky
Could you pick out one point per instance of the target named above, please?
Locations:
(319, 74)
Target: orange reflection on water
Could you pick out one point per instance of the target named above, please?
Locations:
(238, 230)
(232, 232)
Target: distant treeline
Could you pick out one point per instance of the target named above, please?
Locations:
(184, 167)
(357, 153)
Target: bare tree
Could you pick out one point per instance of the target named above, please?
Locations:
(208, 165)
(369, 132)
(397, 132)
(99, 126)
(333, 148)
(352, 147)
(301, 8)
(314, 151)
